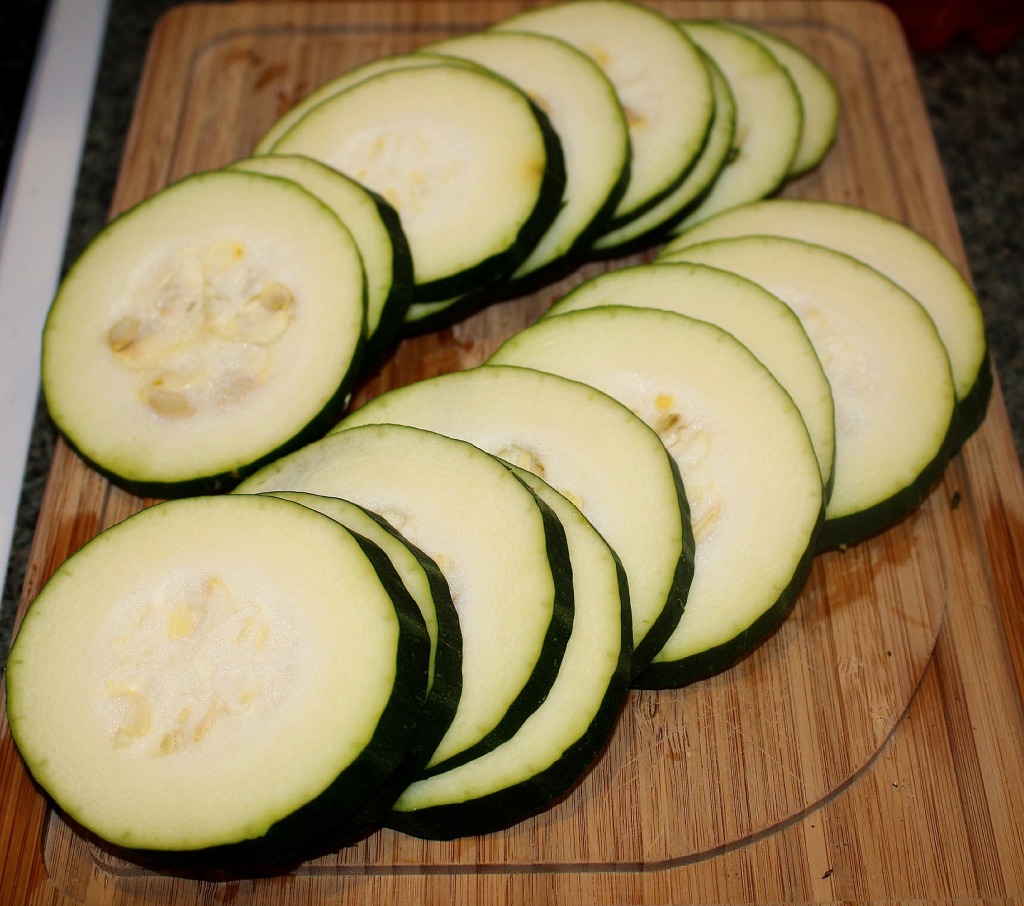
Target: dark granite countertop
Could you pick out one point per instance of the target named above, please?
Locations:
(974, 100)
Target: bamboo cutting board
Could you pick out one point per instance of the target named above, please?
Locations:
(871, 750)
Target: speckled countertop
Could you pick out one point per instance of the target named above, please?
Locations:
(974, 101)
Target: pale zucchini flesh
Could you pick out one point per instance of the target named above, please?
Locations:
(656, 222)
(769, 119)
(468, 162)
(376, 231)
(660, 79)
(890, 375)
(501, 552)
(900, 252)
(759, 320)
(819, 97)
(584, 110)
(746, 460)
(553, 749)
(590, 448)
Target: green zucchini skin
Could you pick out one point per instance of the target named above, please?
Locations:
(712, 661)
(222, 482)
(552, 650)
(455, 298)
(445, 685)
(501, 808)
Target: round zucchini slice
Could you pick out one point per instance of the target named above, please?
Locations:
(501, 551)
(429, 590)
(769, 118)
(762, 322)
(470, 164)
(584, 110)
(819, 97)
(588, 446)
(896, 250)
(549, 754)
(660, 79)
(221, 680)
(204, 332)
(654, 224)
(333, 86)
(378, 235)
(746, 459)
(889, 372)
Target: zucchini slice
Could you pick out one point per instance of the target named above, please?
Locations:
(762, 322)
(218, 680)
(890, 375)
(502, 552)
(819, 97)
(551, 751)
(204, 332)
(429, 590)
(904, 255)
(746, 459)
(654, 224)
(588, 446)
(333, 86)
(470, 164)
(659, 76)
(378, 235)
(584, 110)
(769, 118)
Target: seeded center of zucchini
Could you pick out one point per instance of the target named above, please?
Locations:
(406, 166)
(185, 664)
(690, 446)
(199, 329)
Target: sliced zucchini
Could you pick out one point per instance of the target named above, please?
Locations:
(769, 118)
(588, 446)
(470, 164)
(903, 255)
(654, 224)
(333, 86)
(429, 589)
(584, 110)
(204, 332)
(220, 681)
(890, 375)
(745, 456)
(660, 79)
(762, 322)
(502, 553)
(378, 235)
(819, 97)
(551, 751)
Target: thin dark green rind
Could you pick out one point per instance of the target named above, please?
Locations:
(503, 808)
(442, 698)
(712, 661)
(552, 650)
(973, 407)
(388, 332)
(492, 270)
(428, 317)
(224, 481)
(845, 531)
(663, 627)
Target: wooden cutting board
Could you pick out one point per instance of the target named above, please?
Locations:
(871, 750)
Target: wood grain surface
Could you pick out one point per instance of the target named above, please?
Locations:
(871, 750)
